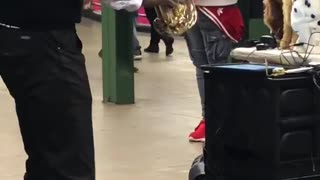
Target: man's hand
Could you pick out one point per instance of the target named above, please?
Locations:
(152, 3)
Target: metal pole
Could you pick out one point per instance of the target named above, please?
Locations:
(118, 75)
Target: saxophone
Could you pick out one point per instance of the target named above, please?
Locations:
(176, 20)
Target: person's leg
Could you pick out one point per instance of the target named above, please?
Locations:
(198, 56)
(217, 48)
(45, 73)
(213, 47)
(217, 45)
(137, 55)
(155, 37)
(168, 41)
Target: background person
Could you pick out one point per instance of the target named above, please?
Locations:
(155, 37)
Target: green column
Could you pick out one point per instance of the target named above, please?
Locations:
(118, 75)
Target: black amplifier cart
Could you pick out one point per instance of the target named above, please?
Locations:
(260, 127)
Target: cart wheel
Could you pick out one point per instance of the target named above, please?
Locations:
(197, 160)
(201, 177)
(197, 171)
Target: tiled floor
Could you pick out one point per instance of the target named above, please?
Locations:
(144, 141)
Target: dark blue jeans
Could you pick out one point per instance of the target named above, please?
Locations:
(207, 44)
(136, 44)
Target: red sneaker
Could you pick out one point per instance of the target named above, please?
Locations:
(198, 135)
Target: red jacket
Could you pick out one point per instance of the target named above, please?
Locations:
(227, 18)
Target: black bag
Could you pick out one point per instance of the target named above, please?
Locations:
(260, 127)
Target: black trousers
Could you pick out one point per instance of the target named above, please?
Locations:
(151, 16)
(45, 73)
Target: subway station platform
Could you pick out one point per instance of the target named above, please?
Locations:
(144, 141)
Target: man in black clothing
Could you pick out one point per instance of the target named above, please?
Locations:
(42, 64)
(43, 67)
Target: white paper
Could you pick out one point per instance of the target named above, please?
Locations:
(129, 5)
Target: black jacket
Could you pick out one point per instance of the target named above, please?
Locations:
(40, 14)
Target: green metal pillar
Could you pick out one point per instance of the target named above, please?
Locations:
(118, 75)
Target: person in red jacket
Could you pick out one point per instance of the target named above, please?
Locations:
(219, 25)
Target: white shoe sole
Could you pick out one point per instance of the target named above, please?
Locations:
(191, 139)
(137, 57)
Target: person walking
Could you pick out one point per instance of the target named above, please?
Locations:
(155, 37)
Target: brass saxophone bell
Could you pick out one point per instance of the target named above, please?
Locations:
(176, 20)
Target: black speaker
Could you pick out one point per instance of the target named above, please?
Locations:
(260, 127)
